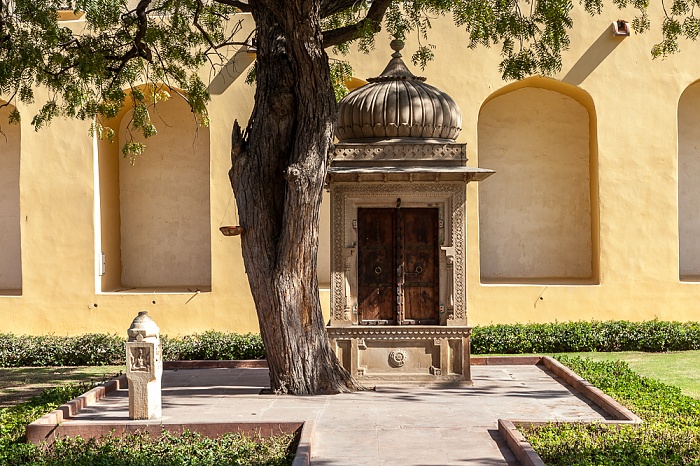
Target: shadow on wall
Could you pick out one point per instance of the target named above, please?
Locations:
(231, 71)
(688, 187)
(10, 248)
(594, 56)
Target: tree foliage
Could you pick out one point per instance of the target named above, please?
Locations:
(90, 69)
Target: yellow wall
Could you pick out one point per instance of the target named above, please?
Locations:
(535, 216)
(164, 203)
(632, 103)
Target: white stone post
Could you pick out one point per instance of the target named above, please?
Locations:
(144, 368)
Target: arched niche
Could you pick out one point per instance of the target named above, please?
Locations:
(538, 213)
(688, 186)
(10, 243)
(155, 214)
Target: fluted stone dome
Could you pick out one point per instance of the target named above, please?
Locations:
(397, 104)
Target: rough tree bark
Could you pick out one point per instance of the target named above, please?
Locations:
(278, 168)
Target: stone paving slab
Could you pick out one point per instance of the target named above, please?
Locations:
(407, 425)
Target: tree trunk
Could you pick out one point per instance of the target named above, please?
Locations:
(278, 170)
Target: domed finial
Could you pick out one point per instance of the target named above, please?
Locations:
(396, 45)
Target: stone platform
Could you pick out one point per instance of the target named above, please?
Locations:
(390, 425)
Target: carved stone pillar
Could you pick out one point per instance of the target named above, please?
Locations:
(144, 368)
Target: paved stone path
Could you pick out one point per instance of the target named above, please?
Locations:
(392, 425)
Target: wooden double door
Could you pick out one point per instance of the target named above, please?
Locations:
(398, 266)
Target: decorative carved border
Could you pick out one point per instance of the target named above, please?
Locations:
(400, 151)
(343, 195)
(459, 241)
(406, 332)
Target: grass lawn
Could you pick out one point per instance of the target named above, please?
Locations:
(17, 384)
(680, 369)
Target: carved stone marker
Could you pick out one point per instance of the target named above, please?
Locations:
(144, 368)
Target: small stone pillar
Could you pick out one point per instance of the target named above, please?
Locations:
(144, 368)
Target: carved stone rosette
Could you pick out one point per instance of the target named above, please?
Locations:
(398, 358)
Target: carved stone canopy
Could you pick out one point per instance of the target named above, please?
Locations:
(397, 104)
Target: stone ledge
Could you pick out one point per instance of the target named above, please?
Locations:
(505, 360)
(215, 364)
(53, 425)
(71, 408)
(593, 393)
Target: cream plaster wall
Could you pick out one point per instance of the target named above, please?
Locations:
(10, 244)
(164, 203)
(633, 105)
(535, 216)
(688, 185)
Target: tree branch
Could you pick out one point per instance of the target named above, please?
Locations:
(331, 7)
(212, 46)
(139, 47)
(373, 21)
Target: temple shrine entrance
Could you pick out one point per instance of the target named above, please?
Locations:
(398, 190)
(398, 263)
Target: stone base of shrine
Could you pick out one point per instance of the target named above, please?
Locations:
(404, 353)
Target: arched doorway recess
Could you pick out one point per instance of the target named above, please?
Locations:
(155, 214)
(538, 215)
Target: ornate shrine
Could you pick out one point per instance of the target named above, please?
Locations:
(398, 206)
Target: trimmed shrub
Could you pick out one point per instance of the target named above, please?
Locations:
(192, 449)
(596, 444)
(562, 337)
(213, 345)
(92, 349)
(96, 349)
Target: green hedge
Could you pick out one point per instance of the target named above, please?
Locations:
(560, 337)
(670, 434)
(213, 345)
(96, 349)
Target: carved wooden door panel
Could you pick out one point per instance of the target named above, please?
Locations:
(398, 266)
(420, 265)
(376, 232)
